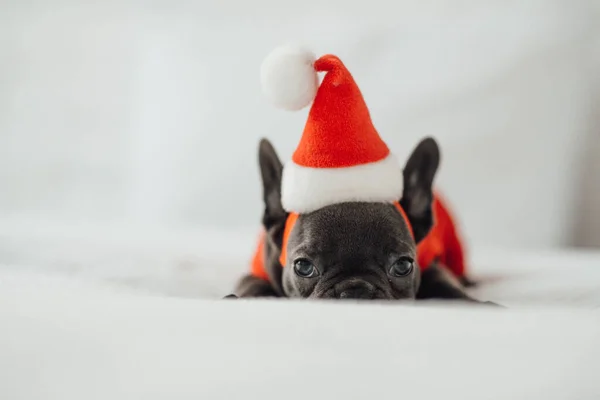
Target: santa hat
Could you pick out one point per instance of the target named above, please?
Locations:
(340, 157)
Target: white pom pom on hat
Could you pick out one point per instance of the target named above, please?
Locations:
(288, 77)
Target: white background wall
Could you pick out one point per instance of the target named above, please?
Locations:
(147, 115)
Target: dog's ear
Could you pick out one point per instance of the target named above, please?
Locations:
(417, 195)
(271, 171)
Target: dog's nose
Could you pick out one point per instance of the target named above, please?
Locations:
(354, 288)
(360, 292)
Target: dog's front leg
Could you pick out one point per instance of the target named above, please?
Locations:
(251, 286)
(439, 283)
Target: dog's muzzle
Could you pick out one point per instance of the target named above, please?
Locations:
(354, 289)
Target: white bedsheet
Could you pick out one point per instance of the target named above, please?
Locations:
(62, 338)
(100, 314)
(69, 333)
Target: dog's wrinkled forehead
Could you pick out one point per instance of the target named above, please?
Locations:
(351, 229)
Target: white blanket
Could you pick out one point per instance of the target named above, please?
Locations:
(94, 335)
(63, 339)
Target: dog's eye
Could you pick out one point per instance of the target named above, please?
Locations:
(305, 268)
(402, 267)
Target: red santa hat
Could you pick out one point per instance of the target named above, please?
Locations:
(340, 157)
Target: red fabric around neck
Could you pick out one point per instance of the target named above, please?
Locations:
(289, 225)
(443, 243)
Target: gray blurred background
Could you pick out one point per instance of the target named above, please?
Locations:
(145, 116)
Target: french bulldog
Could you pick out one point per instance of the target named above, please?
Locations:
(354, 250)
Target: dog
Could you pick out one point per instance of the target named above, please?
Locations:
(359, 250)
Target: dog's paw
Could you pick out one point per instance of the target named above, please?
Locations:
(231, 296)
(491, 304)
(467, 282)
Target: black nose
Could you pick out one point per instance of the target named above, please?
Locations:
(357, 292)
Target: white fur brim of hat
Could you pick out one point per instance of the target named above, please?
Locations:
(304, 190)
